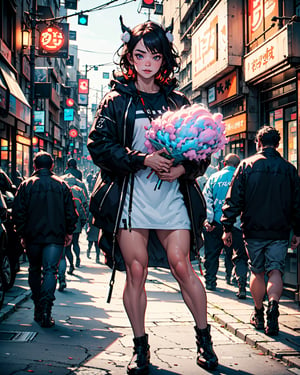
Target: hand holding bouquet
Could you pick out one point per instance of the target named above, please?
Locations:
(192, 132)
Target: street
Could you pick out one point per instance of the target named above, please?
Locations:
(93, 337)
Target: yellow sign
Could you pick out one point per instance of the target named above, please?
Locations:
(236, 124)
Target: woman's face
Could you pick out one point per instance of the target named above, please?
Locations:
(146, 63)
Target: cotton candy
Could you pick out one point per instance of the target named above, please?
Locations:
(191, 132)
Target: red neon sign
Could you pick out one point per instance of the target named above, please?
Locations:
(52, 39)
(83, 86)
(73, 133)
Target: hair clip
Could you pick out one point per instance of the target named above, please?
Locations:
(169, 36)
(125, 37)
(169, 30)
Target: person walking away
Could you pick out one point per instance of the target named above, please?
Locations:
(72, 168)
(71, 181)
(265, 190)
(45, 217)
(142, 225)
(78, 197)
(93, 238)
(214, 192)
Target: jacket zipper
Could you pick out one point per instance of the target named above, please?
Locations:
(105, 195)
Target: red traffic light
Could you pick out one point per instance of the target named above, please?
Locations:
(150, 4)
(73, 133)
(70, 102)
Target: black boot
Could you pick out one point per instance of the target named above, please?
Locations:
(257, 319)
(38, 313)
(206, 357)
(139, 364)
(47, 321)
(242, 289)
(272, 327)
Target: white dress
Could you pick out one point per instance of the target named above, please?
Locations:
(162, 208)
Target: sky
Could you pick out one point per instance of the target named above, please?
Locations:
(98, 41)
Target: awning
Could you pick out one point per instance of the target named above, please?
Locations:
(18, 104)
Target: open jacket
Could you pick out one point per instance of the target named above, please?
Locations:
(110, 145)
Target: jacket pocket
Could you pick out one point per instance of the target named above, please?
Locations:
(104, 204)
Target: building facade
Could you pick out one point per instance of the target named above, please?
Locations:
(34, 88)
(242, 58)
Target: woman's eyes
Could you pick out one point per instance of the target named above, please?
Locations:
(139, 56)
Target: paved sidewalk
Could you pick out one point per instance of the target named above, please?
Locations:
(223, 307)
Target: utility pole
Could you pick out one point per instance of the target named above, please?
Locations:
(32, 79)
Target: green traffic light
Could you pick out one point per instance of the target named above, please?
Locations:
(82, 19)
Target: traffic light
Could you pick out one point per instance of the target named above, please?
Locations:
(71, 4)
(150, 4)
(83, 19)
(70, 102)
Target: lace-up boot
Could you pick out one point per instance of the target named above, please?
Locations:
(272, 327)
(257, 318)
(139, 364)
(206, 357)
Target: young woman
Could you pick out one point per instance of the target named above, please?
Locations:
(142, 225)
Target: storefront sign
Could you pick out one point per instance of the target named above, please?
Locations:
(268, 55)
(54, 40)
(83, 86)
(224, 89)
(236, 124)
(260, 18)
(23, 140)
(5, 51)
(39, 121)
(26, 67)
(210, 43)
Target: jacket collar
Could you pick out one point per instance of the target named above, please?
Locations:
(269, 151)
(42, 172)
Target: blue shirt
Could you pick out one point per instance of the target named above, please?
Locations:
(215, 191)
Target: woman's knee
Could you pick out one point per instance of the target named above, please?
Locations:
(136, 272)
(180, 268)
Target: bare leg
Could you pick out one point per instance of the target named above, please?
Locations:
(133, 246)
(177, 245)
(275, 285)
(258, 288)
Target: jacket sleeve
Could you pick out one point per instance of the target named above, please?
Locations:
(233, 205)
(208, 196)
(71, 214)
(194, 168)
(104, 141)
(19, 210)
(295, 219)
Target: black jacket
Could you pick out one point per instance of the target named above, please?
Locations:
(44, 210)
(110, 145)
(266, 191)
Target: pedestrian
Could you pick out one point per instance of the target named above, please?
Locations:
(133, 216)
(79, 199)
(93, 238)
(71, 180)
(214, 192)
(72, 168)
(45, 217)
(89, 180)
(79, 194)
(265, 190)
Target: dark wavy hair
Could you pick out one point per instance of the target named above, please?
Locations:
(268, 136)
(155, 40)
